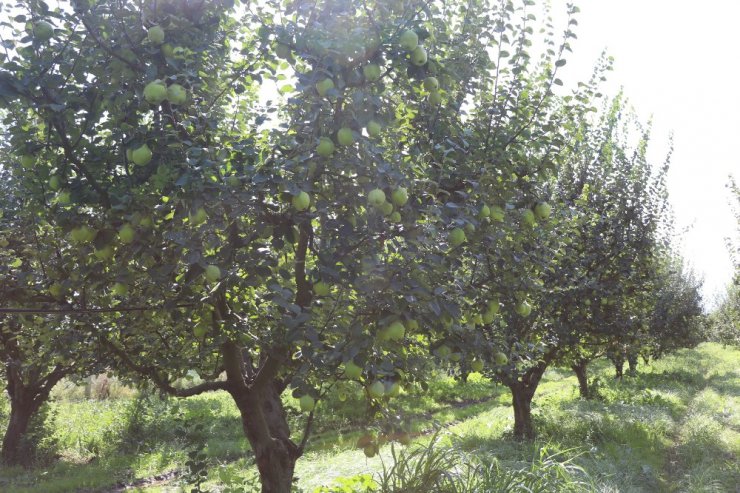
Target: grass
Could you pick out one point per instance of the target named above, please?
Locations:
(674, 427)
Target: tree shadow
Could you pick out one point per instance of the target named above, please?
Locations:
(96, 475)
(152, 436)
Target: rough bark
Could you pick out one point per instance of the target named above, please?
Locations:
(581, 370)
(25, 401)
(256, 392)
(263, 416)
(632, 362)
(21, 412)
(266, 427)
(522, 392)
(618, 369)
(522, 401)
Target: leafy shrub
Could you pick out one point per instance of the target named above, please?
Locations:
(144, 423)
(97, 387)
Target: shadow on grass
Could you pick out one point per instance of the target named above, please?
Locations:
(603, 445)
(148, 436)
(418, 425)
(97, 475)
(727, 384)
(698, 464)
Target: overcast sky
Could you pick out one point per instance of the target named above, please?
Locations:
(678, 62)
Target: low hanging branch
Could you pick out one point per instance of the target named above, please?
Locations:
(92, 310)
(163, 383)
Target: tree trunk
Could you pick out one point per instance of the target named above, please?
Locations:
(522, 401)
(25, 401)
(632, 361)
(580, 369)
(88, 387)
(618, 369)
(22, 409)
(522, 392)
(266, 427)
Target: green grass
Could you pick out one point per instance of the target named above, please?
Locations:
(675, 427)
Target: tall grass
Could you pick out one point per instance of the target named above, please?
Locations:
(434, 467)
(548, 472)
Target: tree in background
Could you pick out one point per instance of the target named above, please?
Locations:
(500, 228)
(733, 244)
(37, 350)
(678, 318)
(591, 268)
(723, 324)
(618, 205)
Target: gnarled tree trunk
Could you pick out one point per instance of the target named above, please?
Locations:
(522, 392)
(522, 400)
(256, 391)
(580, 368)
(25, 401)
(617, 359)
(632, 361)
(265, 424)
(618, 369)
(266, 427)
(21, 412)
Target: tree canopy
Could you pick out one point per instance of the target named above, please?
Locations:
(283, 194)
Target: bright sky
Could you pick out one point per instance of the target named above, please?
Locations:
(677, 61)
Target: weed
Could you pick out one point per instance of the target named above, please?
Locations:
(420, 469)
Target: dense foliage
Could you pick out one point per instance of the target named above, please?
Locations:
(724, 323)
(284, 195)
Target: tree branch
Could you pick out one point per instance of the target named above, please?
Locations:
(137, 68)
(69, 154)
(303, 287)
(92, 310)
(306, 434)
(268, 371)
(156, 378)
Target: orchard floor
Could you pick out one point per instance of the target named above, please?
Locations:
(675, 427)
